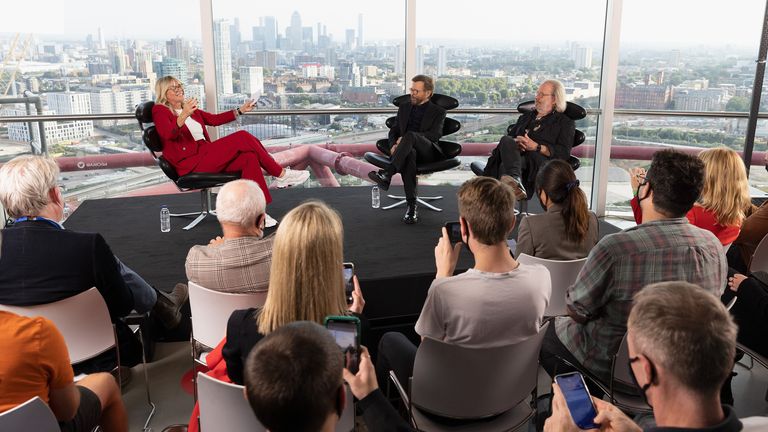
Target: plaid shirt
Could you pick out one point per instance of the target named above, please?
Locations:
(619, 266)
(239, 265)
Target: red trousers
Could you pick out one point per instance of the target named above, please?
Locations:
(241, 152)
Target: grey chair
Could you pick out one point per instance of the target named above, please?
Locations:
(563, 274)
(473, 389)
(755, 357)
(624, 392)
(32, 415)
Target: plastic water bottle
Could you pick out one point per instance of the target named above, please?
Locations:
(375, 197)
(165, 219)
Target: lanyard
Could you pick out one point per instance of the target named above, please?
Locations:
(39, 218)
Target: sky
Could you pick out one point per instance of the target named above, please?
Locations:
(645, 22)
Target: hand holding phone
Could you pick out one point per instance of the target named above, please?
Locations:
(454, 231)
(346, 331)
(578, 399)
(349, 285)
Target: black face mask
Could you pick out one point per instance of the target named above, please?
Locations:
(466, 242)
(644, 388)
(647, 192)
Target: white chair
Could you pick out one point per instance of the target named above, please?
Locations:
(32, 415)
(760, 257)
(210, 312)
(225, 404)
(563, 275)
(83, 320)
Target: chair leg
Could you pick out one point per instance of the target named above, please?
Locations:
(205, 209)
(146, 383)
(421, 200)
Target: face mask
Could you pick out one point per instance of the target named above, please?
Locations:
(647, 192)
(644, 388)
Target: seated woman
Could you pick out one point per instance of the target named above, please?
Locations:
(187, 146)
(751, 309)
(568, 230)
(540, 135)
(305, 282)
(724, 200)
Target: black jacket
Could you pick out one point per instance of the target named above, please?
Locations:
(556, 131)
(431, 125)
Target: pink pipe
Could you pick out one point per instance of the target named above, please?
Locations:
(324, 175)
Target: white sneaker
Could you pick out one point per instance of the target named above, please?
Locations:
(269, 222)
(291, 178)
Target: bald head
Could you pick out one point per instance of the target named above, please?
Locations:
(240, 202)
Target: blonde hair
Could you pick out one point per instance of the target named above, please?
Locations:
(305, 280)
(25, 182)
(558, 92)
(161, 88)
(726, 188)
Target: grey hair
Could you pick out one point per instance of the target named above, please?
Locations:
(240, 202)
(25, 182)
(687, 331)
(558, 90)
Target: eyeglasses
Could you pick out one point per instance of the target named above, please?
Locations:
(544, 94)
(417, 91)
(177, 88)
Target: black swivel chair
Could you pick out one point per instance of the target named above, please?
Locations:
(451, 150)
(202, 181)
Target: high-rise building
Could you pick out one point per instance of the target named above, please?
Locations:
(177, 48)
(222, 56)
(419, 59)
(100, 36)
(360, 30)
(441, 61)
(175, 68)
(72, 103)
(399, 59)
(252, 80)
(119, 59)
(270, 32)
(350, 40)
(294, 33)
(266, 59)
(583, 58)
(234, 35)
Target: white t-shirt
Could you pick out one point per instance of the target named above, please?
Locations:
(482, 310)
(195, 128)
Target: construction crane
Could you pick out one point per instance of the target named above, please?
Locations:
(8, 77)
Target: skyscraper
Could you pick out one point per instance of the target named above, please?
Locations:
(222, 56)
(441, 61)
(234, 35)
(270, 32)
(177, 48)
(350, 41)
(419, 59)
(294, 33)
(399, 59)
(583, 58)
(359, 30)
(175, 68)
(252, 80)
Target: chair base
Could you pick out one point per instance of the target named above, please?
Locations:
(421, 200)
(205, 210)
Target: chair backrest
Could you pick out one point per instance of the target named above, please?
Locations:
(621, 365)
(32, 415)
(82, 319)
(224, 404)
(211, 310)
(760, 257)
(573, 111)
(473, 383)
(446, 102)
(563, 275)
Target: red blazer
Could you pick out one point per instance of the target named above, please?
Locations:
(179, 147)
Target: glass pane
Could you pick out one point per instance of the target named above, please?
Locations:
(758, 173)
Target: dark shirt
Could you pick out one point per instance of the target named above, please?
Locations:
(417, 115)
(731, 423)
(379, 415)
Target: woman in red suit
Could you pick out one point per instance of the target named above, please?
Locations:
(187, 146)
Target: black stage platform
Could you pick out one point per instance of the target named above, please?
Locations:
(394, 262)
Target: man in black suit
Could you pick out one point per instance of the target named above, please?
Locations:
(414, 138)
(41, 262)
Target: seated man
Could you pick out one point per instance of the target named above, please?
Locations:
(35, 362)
(664, 247)
(679, 359)
(239, 262)
(540, 135)
(298, 369)
(497, 302)
(413, 139)
(41, 262)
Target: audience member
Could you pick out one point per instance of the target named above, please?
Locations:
(497, 302)
(41, 262)
(293, 381)
(568, 230)
(35, 362)
(413, 139)
(724, 199)
(754, 228)
(679, 359)
(187, 146)
(239, 261)
(751, 309)
(540, 135)
(664, 247)
(305, 283)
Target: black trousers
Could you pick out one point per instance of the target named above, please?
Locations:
(507, 159)
(551, 357)
(398, 354)
(413, 148)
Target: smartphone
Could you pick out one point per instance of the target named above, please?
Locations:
(346, 331)
(578, 399)
(349, 283)
(454, 231)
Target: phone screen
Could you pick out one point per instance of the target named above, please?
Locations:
(345, 334)
(454, 231)
(349, 284)
(578, 399)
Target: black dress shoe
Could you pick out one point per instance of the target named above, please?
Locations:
(411, 214)
(516, 185)
(381, 178)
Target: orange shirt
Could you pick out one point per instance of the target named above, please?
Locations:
(34, 359)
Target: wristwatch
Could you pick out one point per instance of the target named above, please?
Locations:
(239, 112)
(538, 148)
